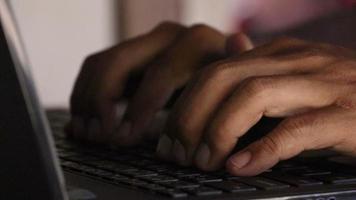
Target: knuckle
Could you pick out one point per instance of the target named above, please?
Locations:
(293, 125)
(218, 72)
(290, 135)
(347, 65)
(168, 25)
(205, 37)
(199, 30)
(100, 59)
(342, 70)
(257, 86)
(348, 103)
(90, 60)
(316, 53)
(271, 145)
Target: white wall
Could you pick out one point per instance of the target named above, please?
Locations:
(140, 16)
(58, 34)
(219, 14)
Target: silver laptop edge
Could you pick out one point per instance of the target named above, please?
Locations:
(38, 119)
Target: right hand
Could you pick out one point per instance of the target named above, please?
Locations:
(168, 56)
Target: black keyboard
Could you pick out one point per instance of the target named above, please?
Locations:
(139, 168)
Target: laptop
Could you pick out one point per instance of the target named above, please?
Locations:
(38, 162)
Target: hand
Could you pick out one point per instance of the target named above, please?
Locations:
(313, 86)
(168, 56)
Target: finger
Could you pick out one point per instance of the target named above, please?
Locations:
(103, 75)
(197, 105)
(318, 129)
(271, 96)
(278, 46)
(238, 43)
(170, 72)
(76, 125)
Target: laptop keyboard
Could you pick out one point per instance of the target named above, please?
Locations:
(138, 168)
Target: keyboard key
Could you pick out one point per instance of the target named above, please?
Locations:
(119, 178)
(288, 165)
(134, 182)
(336, 178)
(298, 181)
(158, 167)
(140, 163)
(202, 191)
(174, 193)
(140, 173)
(231, 186)
(160, 179)
(146, 153)
(76, 166)
(154, 187)
(101, 173)
(309, 172)
(88, 170)
(220, 173)
(69, 164)
(186, 173)
(66, 145)
(180, 184)
(65, 154)
(179, 172)
(114, 156)
(231, 177)
(202, 178)
(111, 166)
(263, 183)
(80, 158)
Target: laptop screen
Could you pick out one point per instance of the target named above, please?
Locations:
(28, 169)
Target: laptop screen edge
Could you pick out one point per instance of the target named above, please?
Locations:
(38, 120)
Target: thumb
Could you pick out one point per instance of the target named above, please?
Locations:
(317, 129)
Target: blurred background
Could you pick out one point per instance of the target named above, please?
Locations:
(58, 35)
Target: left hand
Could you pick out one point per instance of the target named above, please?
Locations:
(312, 85)
(167, 57)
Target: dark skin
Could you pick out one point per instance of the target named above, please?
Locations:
(311, 85)
(168, 56)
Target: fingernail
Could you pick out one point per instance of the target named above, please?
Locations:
(94, 131)
(202, 156)
(124, 129)
(179, 152)
(164, 147)
(241, 159)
